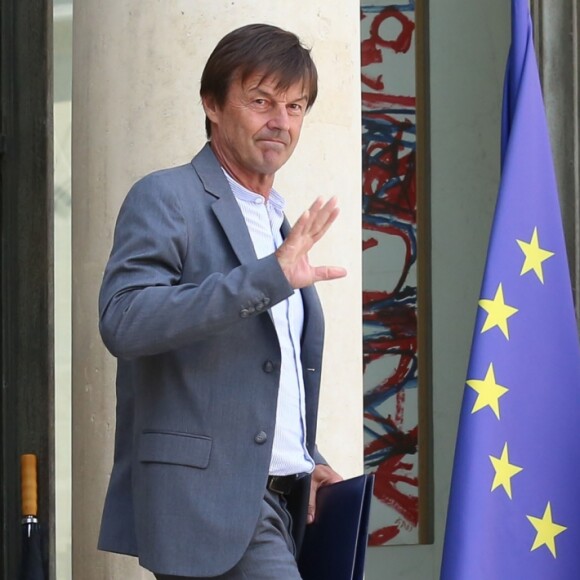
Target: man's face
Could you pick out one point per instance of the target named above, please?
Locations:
(257, 129)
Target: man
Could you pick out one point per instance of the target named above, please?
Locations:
(208, 303)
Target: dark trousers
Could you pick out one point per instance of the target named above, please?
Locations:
(271, 553)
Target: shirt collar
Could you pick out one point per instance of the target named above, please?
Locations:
(275, 200)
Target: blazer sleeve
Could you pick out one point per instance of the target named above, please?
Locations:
(145, 309)
(318, 457)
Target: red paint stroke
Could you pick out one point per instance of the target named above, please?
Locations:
(406, 363)
(383, 535)
(372, 46)
(398, 318)
(375, 83)
(372, 99)
(382, 115)
(399, 341)
(386, 490)
(370, 243)
(400, 407)
(390, 473)
(395, 442)
(400, 44)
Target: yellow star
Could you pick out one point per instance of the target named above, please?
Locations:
(498, 312)
(546, 530)
(504, 471)
(535, 256)
(488, 392)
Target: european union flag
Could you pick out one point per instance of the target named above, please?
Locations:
(514, 509)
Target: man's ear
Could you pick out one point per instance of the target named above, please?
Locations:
(210, 108)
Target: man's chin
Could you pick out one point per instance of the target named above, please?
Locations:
(271, 163)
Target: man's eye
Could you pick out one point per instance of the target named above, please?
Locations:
(295, 108)
(260, 102)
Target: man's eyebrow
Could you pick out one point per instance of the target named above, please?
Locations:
(267, 93)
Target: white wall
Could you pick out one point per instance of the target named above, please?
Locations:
(468, 47)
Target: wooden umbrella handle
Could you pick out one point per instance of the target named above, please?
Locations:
(29, 485)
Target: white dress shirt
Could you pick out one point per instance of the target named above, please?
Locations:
(264, 219)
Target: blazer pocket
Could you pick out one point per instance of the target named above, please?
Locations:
(175, 448)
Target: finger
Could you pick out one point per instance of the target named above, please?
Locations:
(312, 502)
(322, 216)
(317, 204)
(324, 273)
(318, 214)
(301, 224)
(301, 235)
(318, 231)
(293, 244)
(311, 513)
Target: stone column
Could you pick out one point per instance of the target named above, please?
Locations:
(557, 32)
(136, 108)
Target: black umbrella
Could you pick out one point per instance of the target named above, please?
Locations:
(32, 567)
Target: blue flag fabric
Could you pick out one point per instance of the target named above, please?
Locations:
(514, 510)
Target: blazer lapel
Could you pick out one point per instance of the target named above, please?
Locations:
(229, 215)
(225, 207)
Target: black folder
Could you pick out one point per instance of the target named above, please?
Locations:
(335, 543)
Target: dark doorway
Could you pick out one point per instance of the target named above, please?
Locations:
(26, 408)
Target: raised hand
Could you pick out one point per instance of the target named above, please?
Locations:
(293, 253)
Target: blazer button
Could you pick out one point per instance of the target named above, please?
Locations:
(268, 366)
(261, 437)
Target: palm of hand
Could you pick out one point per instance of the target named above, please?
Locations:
(293, 253)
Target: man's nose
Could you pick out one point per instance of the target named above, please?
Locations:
(279, 120)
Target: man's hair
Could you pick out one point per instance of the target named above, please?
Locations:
(258, 49)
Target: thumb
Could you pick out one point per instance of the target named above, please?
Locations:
(322, 273)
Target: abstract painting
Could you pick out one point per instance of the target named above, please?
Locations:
(389, 204)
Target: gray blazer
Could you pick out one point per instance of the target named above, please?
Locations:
(184, 308)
